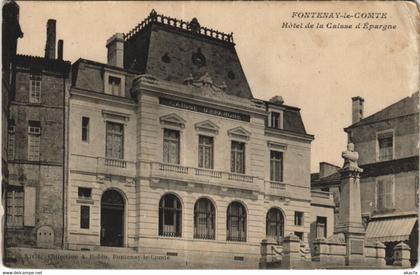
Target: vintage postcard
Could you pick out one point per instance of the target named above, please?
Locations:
(210, 135)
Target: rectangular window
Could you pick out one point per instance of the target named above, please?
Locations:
(321, 227)
(114, 140)
(14, 210)
(385, 146)
(11, 142)
(34, 140)
(114, 85)
(84, 192)
(84, 216)
(205, 152)
(171, 146)
(299, 218)
(275, 120)
(384, 193)
(237, 157)
(300, 235)
(85, 129)
(35, 88)
(276, 166)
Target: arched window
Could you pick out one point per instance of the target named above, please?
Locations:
(170, 213)
(275, 224)
(236, 222)
(204, 219)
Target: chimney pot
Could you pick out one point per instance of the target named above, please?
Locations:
(357, 109)
(51, 37)
(60, 49)
(115, 46)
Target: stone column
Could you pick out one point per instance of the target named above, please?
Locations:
(350, 213)
(402, 255)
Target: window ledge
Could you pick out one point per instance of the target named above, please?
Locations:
(85, 200)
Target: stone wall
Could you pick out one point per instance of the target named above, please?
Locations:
(46, 175)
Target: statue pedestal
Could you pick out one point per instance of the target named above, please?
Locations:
(350, 216)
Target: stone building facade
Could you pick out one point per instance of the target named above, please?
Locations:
(387, 142)
(11, 33)
(36, 149)
(170, 154)
(162, 151)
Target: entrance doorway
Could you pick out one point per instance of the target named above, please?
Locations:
(112, 219)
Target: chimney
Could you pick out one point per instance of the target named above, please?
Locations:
(60, 49)
(326, 169)
(50, 44)
(357, 109)
(115, 47)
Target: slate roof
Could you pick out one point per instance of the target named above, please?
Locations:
(405, 106)
(172, 49)
(292, 121)
(41, 63)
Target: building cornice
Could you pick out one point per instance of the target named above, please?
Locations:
(289, 135)
(150, 84)
(115, 100)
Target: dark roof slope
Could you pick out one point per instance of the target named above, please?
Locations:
(405, 106)
(40, 63)
(292, 121)
(172, 49)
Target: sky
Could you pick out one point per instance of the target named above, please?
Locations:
(317, 70)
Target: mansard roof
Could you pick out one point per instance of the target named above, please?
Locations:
(403, 107)
(173, 50)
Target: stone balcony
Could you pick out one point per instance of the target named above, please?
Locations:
(102, 165)
(193, 175)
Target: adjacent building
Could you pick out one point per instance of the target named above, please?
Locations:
(11, 33)
(36, 148)
(387, 142)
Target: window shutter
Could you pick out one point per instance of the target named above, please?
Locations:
(29, 206)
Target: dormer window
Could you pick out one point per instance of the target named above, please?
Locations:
(114, 84)
(275, 120)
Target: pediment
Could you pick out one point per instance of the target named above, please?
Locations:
(172, 120)
(239, 132)
(207, 126)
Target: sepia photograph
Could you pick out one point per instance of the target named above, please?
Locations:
(210, 135)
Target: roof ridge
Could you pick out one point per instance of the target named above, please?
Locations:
(364, 120)
(192, 26)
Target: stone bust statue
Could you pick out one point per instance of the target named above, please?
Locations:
(350, 159)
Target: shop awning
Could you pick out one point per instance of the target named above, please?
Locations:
(390, 230)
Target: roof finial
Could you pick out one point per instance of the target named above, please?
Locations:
(194, 25)
(153, 14)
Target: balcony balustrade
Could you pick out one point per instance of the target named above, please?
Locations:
(115, 163)
(100, 165)
(201, 175)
